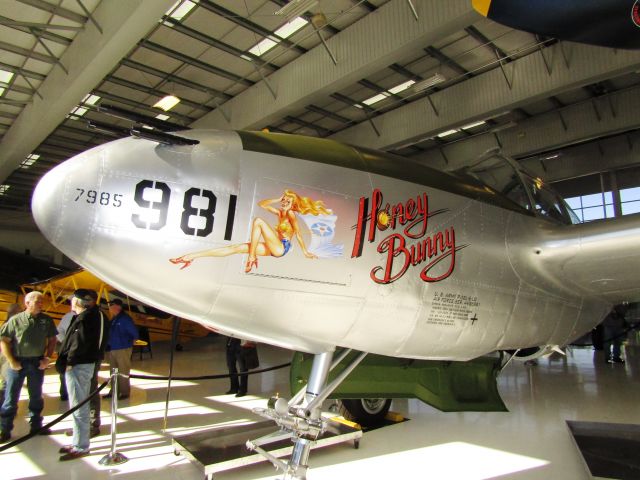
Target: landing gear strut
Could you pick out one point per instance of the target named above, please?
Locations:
(300, 418)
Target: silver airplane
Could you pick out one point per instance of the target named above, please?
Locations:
(311, 245)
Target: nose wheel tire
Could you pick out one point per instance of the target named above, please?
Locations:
(368, 412)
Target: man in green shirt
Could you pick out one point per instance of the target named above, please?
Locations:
(27, 340)
(11, 311)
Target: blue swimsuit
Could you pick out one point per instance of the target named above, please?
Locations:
(287, 245)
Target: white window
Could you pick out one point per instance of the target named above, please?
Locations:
(592, 207)
(630, 200)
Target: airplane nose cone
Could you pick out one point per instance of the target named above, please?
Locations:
(59, 215)
(46, 200)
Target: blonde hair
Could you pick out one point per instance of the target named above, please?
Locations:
(304, 205)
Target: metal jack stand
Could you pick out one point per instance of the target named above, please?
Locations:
(114, 457)
(301, 417)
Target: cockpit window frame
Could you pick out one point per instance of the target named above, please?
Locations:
(527, 181)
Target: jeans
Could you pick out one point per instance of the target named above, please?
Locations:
(78, 384)
(14, 381)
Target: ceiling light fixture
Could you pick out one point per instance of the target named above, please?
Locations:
(375, 98)
(295, 8)
(401, 87)
(167, 103)
(429, 82)
(4, 188)
(447, 133)
(474, 124)
(30, 160)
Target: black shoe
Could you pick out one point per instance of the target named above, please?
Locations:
(617, 360)
(40, 431)
(240, 394)
(232, 391)
(5, 436)
(73, 454)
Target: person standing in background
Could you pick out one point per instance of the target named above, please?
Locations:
(123, 333)
(82, 348)
(614, 329)
(27, 340)
(13, 309)
(62, 330)
(234, 355)
(95, 401)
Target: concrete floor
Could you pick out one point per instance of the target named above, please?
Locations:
(531, 441)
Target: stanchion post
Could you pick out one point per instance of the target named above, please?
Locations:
(114, 457)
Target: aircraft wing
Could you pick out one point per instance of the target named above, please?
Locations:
(608, 23)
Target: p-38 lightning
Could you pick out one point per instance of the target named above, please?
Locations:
(310, 245)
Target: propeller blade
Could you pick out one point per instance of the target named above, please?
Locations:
(608, 23)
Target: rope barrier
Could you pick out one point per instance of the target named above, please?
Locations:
(623, 334)
(210, 377)
(20, 440)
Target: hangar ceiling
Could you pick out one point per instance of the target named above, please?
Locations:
(430, 79)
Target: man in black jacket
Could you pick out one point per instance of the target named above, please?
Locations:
(82, 347)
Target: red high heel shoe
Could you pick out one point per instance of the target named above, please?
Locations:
(179, 260)
(250, 264)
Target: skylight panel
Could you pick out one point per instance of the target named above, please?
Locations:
(263, 47)
(90, 99)
(178, 12)
(403, 86)
(283, 32)
(291, 27)
(5, 76)
(375, 98)
(162, 116)
(78, 111)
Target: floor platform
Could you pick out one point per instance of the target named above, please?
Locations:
(529, 442)
(610, 450)
(220, 449)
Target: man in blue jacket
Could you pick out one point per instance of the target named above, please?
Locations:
(123, 333)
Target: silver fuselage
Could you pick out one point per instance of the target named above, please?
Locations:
(442, 273)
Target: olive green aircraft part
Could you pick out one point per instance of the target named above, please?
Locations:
(447, 386)
(329, 152)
